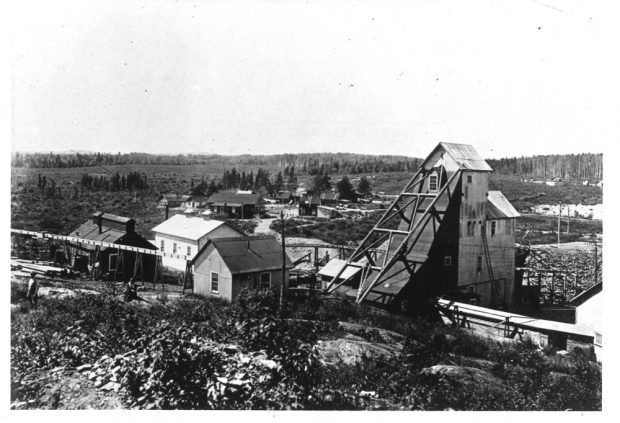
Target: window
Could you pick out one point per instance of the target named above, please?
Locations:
(161, 247)
(189, 250)
(215, 283)
(479, 264)
(265, 280)
(470, 228)
(447, 261)
(174, 248)
(469, 179)
(112, 261)
(432, 183)
(493, 227)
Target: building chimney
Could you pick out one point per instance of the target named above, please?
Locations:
(100, 223)
(166, 211)
(130, 226)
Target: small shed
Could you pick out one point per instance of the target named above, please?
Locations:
(284, 197)
(169, 200)
(333, 267)
(195, 202)
(225, 266)
(308, 205)
(330, 199)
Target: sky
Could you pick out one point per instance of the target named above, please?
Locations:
(512, 78)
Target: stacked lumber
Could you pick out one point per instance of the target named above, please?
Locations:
(39, 268)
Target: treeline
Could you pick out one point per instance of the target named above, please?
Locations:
(307, 163)
(117, 182)
(568, 166)
(575, 166)
(262, 181)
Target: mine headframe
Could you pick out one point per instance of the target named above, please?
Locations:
(403, 235)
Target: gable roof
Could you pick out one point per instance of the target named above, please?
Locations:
(284, 195)
(330, 196)
(197, 198)
(464, 155)
(187, 227)
(310, 200)
(498, 206)
(90, 231)
(234, 199)
(248, 254)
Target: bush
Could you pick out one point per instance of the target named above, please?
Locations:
(185, 355)
(171, 370)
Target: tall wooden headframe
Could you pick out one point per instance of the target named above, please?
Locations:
(397, 233)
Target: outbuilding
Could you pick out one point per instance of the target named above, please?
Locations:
(308, 205)
(225, 266)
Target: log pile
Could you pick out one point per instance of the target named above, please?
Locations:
(564, 271)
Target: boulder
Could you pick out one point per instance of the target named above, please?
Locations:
(353, 351)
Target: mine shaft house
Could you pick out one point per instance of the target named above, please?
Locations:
(236, 206)
(121, 265)
(224, 266)
(185, 236)
(459, 236)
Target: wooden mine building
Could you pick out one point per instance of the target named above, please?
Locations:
(446, 234)
(120, 265)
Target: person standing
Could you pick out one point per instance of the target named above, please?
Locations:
(132, 291)
(33, 290)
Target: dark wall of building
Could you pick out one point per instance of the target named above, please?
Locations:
(435, 277)
(247, 211)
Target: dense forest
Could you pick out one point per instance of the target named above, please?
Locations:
(309, 163)
(570, 166)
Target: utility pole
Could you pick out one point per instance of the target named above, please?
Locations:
(559, 221)
(283, 281)
(568, 219)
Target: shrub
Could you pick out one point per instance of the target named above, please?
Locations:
(171, 370)
(258, 302)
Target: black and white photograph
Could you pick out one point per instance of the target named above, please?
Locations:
(345, 206)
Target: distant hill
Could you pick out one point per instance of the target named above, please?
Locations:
(570, 166)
